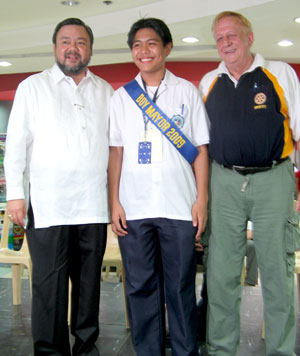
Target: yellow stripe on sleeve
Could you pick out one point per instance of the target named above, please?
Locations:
(288, 141)
(210, 88)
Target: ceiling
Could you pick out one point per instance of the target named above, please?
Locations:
(27, 26)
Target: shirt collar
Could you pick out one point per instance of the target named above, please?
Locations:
(58, 75)
(169, 79)
(259, 61)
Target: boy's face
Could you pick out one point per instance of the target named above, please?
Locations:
(148, 51)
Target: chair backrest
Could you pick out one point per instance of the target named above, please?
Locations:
(24, 247)
(112, 238)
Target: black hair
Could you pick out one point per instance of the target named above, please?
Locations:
(73, 21)
(156, 24)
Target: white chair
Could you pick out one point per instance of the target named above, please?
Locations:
(17, 260)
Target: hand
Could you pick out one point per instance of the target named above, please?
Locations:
(198, 246)
(199, 217)
(16, 211)
(118, 220)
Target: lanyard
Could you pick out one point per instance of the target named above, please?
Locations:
(161, 121)
(155, 96)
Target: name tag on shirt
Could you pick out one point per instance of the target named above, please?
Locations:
(144, 152)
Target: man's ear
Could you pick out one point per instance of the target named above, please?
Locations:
(251, 38)
(169, 47)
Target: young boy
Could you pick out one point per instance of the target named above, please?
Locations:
(158, 200)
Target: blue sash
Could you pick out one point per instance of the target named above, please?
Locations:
(161, 121)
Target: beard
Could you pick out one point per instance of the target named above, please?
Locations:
(73, 70)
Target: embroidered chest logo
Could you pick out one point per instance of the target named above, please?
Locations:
(178, 120)
(260, 100)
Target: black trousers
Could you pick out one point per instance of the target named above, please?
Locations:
(57, 253)
(159, 258)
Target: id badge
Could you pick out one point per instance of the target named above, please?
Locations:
(144, 153)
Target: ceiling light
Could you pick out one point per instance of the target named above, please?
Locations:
(107, 2)
(297, 19)
(285, 43)
(70, 3)
(190, 39)
(5, 64)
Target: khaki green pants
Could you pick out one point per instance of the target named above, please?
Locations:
(265, 198)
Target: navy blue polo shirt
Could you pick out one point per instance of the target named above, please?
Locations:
(247, 121)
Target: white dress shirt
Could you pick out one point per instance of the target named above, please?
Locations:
(57, 139)
(165, 188)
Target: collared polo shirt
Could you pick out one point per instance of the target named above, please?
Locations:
(253, 120)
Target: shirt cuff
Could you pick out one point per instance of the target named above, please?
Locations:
(14, 193)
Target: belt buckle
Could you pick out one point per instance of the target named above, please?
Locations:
(239, 169)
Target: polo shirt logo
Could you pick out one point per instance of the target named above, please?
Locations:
(260, 99)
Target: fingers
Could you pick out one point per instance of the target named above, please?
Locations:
(20, 219)
(16, 218)
(16, 211)
(118, 223)
(118, 228)
(199, 231)
(200, 222)
(198, 246)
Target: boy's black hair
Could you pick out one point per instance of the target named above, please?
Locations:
(156, 24)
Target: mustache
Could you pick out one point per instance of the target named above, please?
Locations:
(72, 54)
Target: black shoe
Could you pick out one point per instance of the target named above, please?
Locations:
(93, 351)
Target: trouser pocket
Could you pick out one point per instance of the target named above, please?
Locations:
(292, 240)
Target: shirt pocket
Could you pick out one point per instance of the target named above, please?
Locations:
(292, 240)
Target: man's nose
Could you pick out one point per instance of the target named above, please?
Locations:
(227, 41)
(73, 45)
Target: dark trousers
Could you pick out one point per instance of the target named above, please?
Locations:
(159, 255)
(57, 253)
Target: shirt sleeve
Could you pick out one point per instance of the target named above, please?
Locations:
(200, 122)
(294, 102)
(289, 81)
(115, 127)
(18, 140)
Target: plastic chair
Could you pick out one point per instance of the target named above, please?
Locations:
(17, 259)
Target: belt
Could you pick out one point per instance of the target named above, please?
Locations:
(251, 170)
